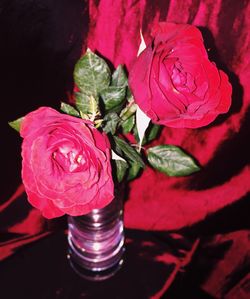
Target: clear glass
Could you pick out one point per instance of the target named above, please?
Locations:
(96, 241)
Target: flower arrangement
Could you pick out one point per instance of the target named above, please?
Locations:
(72, 159)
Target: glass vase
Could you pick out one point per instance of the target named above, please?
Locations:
(96, 241)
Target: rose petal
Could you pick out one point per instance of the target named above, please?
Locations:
(174, 82)
(66, 164)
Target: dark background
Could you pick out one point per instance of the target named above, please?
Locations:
(40, 41)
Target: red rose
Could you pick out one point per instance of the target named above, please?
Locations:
(66, 164)
(174, 82)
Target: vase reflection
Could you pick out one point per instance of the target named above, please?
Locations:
(96, 241)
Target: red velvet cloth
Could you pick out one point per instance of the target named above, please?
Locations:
(157, 202)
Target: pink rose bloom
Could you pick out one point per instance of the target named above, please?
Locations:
(174, 82)
(66, 164)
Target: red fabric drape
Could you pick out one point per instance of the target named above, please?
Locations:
(156, 201)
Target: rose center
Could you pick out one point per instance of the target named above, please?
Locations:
(68, 158)
(179, 77)
(182, 80)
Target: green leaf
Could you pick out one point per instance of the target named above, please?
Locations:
(119, 77)
(128, 124)
(121, 169)
(82, 102)
(152, 132)
(128, 111)
(69, 109)
(16, 124)
(110, 121)
(91, 74)
(133, 170)
(171, 160)
(135, 133)
(129, 151)
(113, 98)
(87, 104)
(129, 96)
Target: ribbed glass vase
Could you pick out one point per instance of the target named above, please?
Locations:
(96, 241)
